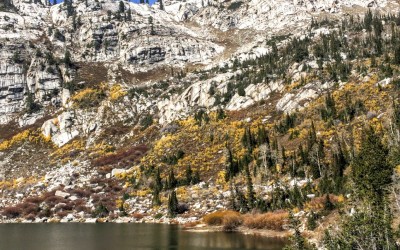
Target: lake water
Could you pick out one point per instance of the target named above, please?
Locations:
(110, 236)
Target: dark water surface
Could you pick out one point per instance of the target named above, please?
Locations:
(110, 236)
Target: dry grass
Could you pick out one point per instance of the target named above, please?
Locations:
(270, 220)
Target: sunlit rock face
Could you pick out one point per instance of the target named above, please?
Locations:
(35, 36)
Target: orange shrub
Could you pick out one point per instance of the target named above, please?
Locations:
(216, 218)
(318, 203)
(231, 221)
(138, 216)
(270, 220)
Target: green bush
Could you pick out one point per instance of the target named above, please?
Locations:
(235, 5)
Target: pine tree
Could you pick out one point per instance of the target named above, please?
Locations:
(231, 166)
(328, 205)
(242, 202)
(189, 176)
(312, 221)
(161, 5)
(297, 241)
(31, 105)
(158, 186)
(171, 180)
(196, 177)
(121, 7)
(67, 58)
(70, 8)
(232, 201)
(250, 189)
(129, 18)
(396, 59)
(371, 171)
(368, 229)
(172, 204)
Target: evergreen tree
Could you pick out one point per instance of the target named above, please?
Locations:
(396, 59)
(31, 105)
(250, 189)
(129, 18)
(189, 175)
(242, 202)
(231, 166)
(241, 91)
(312, 221)
(70, 8)
(232, 201)
(172, 204)
(371, 171)
(171, 180)
(196, 177)
(157, 188)
(364, 230)
(161, 5)
(109, 14)
(220, 114)
(67, 58)
(328, 205)
(297, 241)
(121, 8)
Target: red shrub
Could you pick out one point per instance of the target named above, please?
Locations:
(127, 155)
(28, 208)
(35, 199)
(12, 212)
(81, 192)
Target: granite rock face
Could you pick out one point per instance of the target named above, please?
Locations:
(105, 43)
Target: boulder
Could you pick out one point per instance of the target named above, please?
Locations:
(62, 194)
(117, 171)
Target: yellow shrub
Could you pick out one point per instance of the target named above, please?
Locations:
(221, 177)
(74, 146)
(116, 92)
(88, 98)
(33, 136)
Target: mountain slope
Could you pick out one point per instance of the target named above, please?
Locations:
(111, 105)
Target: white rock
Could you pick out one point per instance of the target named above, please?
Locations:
(117, 171)
(62, 194)
(73, 198)
(91, 220)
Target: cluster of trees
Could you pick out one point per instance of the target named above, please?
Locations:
(332, 52)
(171, 182)
(370, 227)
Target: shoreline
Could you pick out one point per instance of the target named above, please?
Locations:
(198, 228)
(203, 228)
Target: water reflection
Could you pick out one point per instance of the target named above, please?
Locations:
(123, 236)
